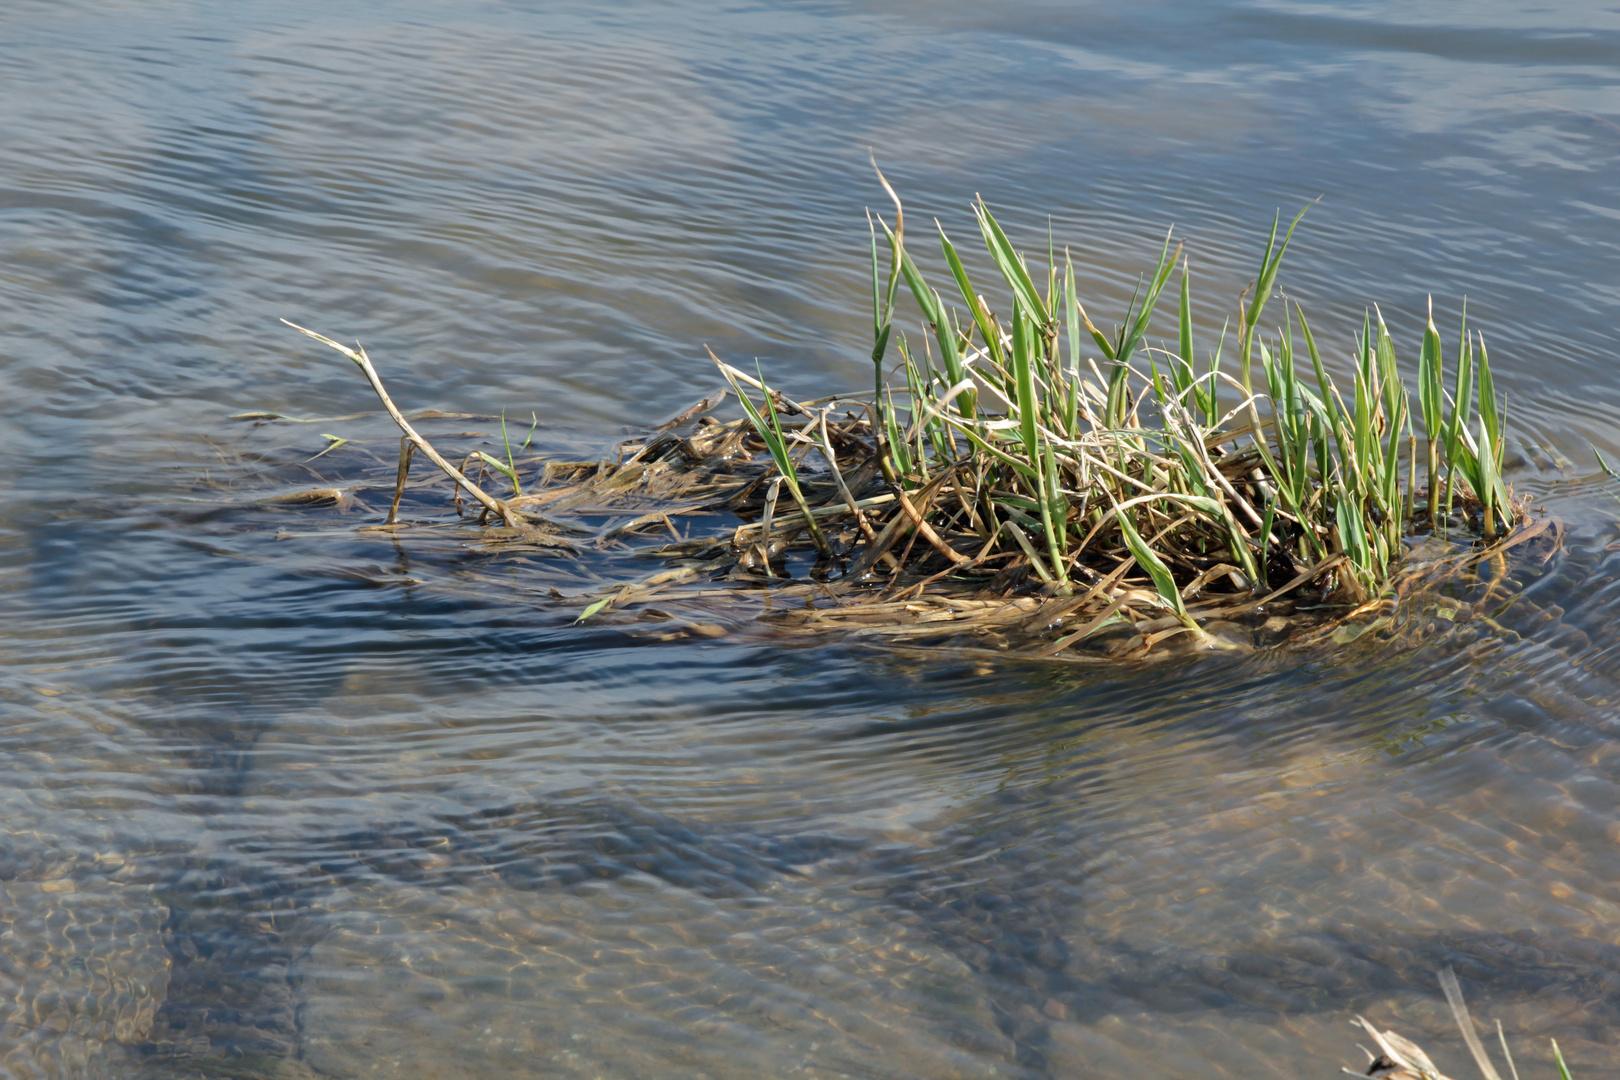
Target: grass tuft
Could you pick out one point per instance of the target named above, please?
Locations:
(1295, 473)
(1401, 1059)
(1016, 451)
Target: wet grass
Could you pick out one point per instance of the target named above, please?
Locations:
(1039, 484)
(1086, 440)
(1398, 1058)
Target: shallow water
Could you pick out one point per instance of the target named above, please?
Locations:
(284, 799)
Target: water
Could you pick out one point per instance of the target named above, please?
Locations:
(282, 799)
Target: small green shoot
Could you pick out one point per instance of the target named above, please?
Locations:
(501, 467)
(770, 432)
(511, 465)
(332, 443)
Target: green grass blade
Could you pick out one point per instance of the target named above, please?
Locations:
(1348, 516)
(1431, 400)
(1257, 302)
(897, 443)
(1011, 266)
(1118, 377)
(770, 432)
(992, 340)
(1604, 465)
(877, 287)
(1107, 347)
(1489, 486)
(1501, 1037)
(1462, 406)
(1265, 543)
(1029, 551)
(1131, 334)
(499, 466)
(1054, 515)
(1488, 409)
(1268, 367)
(880, 346)
(1431, 396)
(934, 311)
(1211, 392)
(1389, 496)
(511, 466)
(1389, 376)
(592, 608)
(1362, 428)
(1269, 265)
(1292, 410)
(1051, 270)
(1137, 328)
(1072, 304)
(763, 428)
(1023, 375)
(1558, 1059)
(1163, 389)
(1163, 583)
(1185, 313)
(1268, 271)
(791, 476)
(985, 446)
(882, 307)
(1366, 349)
(1323, 383)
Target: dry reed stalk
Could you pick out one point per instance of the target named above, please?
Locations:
(363, 361)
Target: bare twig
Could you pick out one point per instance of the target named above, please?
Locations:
(489, 502)
(406, 449)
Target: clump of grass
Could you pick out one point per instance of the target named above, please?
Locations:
(1017, 469)
(1097, 442)
(1401, 1059)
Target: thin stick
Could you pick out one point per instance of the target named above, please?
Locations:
(977, 561)
(743, 377)
(489, 502)
(927, 532)
(891, 532)
(771, 495)
(406, 449)
(843, 489)
(1411, 482)
(794, 519)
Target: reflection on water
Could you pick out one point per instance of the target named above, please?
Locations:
(280, 798)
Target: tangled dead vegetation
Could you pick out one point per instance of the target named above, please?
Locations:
(704, 498)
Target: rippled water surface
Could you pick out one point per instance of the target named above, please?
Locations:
(282, 798)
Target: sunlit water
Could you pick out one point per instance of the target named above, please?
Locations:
(284, 799)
